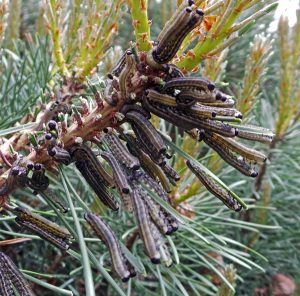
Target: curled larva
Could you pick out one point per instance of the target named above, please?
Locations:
(106, 234)
(146, 132)
(213, 187)
(143, 222)
(120, 152)
(10, 274)
(118, 173)
(172, 38)
(171, 72)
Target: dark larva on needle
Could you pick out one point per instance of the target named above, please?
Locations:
(119, 175)
(105, 233)
(213, 187)
(142, 219)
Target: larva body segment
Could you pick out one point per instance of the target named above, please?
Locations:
(135, 107)
(11, 275)
(173, 36)
(254, 133)
(157, 97)
(95, 181)
(106, 234)
(181, 119)
(211, 112)
(119, 66)
(188, 84)
(41, 222)
(45, 234)
(83, 153)
(60, 155)
(119, 176)
(248, 153)
(172, 72)
(149, 166)
(156, 213)
(240, 164)
(59, 204)
(151, 184)
(170, 172)
(213, 187)
(143, 222)
(126, 73)
(6, 287)
(228, 103)
(120, 152)
(146, 132)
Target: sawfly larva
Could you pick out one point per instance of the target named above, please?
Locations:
(92, 178)
(119, 175)
(107, 236)
(188, 84)
(172, 38)
(45, 234)
(126, 74)
(213, 187)
(240, 164)
(146, 132)
(211, 112)
(149, 166)
(120, 152)
(255, 133)
(239, 148)
(143, 222)
(60, 155)
(43, 223)
(160, 98)
(10, 275)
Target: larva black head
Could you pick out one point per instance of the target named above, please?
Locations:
(239, 115)
(237, 207)
(155, 260)
(30, 165)
(200, 12)
(254, 174)
(132, 273)
(37, 166)
(236, 132)
(125, 279)
(211, 86)
(52, 152)
(52, 125)
(191, 2)
(48, 136)
(136, 167)
(125, 190)
(188, 9)
(213, 114)
(110, 76)
(15, 171)
(219, 96)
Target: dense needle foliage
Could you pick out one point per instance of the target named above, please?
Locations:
(51, 49)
